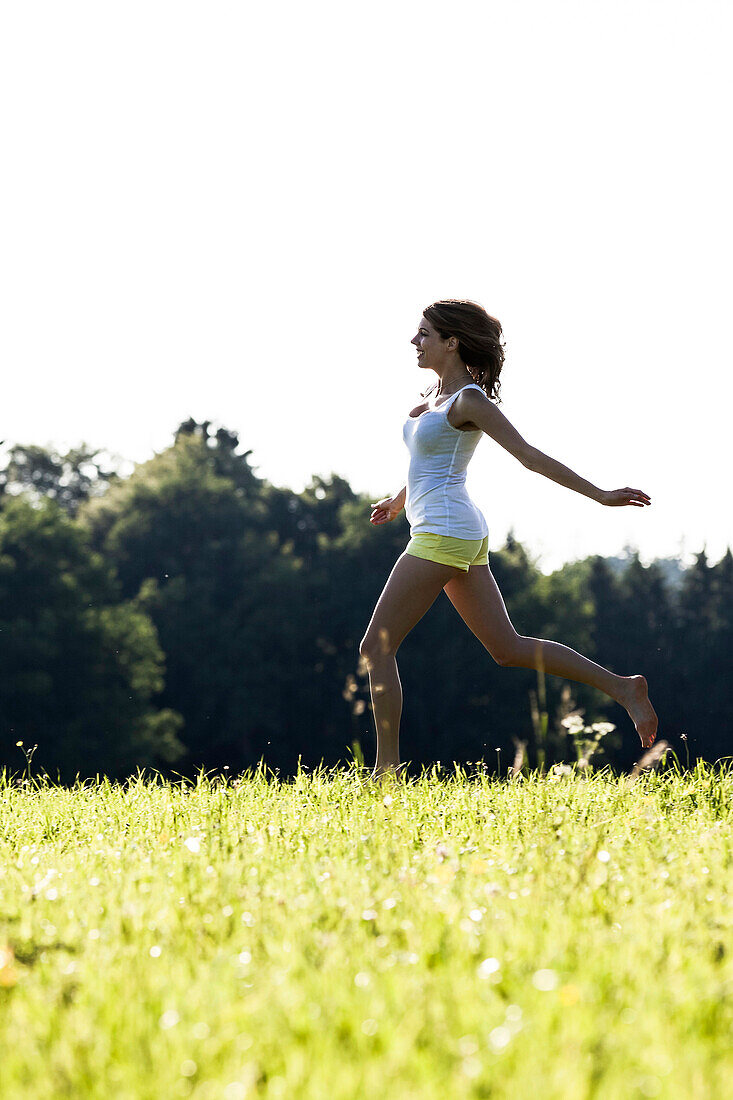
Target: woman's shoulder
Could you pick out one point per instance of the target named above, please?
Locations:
(472, 394)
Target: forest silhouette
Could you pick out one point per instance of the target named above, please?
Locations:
(191, 614)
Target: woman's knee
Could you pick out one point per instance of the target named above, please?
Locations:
(376, 645)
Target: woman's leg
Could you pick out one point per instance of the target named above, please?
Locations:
(477, 599)
(412, 587)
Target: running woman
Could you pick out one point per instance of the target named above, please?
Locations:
(448, 547)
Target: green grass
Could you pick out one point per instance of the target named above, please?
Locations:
(453, 936)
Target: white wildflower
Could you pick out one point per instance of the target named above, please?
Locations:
(488, 966)
(499, 1037)
(545, 980)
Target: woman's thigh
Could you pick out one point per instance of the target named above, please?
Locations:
(412, 587)
(477, 599)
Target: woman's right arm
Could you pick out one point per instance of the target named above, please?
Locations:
(388, 509)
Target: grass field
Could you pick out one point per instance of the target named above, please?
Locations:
(452, 936)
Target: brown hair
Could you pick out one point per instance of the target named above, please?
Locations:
(479, 340)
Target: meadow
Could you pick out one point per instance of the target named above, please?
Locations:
(448, 936)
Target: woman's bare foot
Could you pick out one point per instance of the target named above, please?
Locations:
(636, 701)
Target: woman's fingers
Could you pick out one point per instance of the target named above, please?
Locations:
(380, 513)
(637, 498)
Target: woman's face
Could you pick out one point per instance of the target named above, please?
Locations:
(431, 347)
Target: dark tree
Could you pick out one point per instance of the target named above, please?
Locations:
(79, 668)
(67, 478)
(231, 605)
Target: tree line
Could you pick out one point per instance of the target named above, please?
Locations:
(193, 614)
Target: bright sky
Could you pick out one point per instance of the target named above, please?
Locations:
(237, 212)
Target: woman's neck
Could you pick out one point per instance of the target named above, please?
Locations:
(452, 384)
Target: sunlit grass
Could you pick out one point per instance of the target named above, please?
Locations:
(451, 936)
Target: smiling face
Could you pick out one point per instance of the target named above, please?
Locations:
(432, 349)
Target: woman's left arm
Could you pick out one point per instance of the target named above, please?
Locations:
(550, 467)
(474, 407)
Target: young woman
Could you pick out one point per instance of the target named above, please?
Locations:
(448, 547)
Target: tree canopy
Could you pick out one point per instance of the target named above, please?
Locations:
(193, 614)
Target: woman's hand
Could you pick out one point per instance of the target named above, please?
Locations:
(386, 510)
(616, 498)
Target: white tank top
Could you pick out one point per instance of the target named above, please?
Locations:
(437, 499)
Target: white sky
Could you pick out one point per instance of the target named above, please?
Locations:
(237, 212)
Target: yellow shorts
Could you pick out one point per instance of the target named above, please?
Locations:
(463, 553)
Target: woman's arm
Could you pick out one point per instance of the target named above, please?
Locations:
(388, 509)
(563, 475)
(476, 408)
